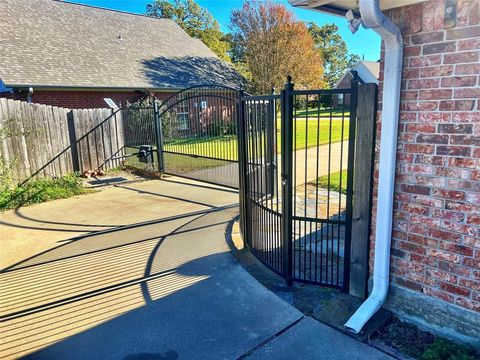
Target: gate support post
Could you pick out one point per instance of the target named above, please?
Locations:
(158, 137)
(287, 162)
(351, 168)
(363, 183)
(242, 167)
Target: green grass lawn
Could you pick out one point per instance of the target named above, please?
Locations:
(306, 135)
(322, 182)
(174, 163)
(41, 190)
(323, 113)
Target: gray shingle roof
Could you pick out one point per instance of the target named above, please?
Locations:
(53, 43)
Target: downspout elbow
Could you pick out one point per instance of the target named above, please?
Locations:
(372, 17)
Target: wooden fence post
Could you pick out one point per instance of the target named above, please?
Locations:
(73, 141)
(362, 188)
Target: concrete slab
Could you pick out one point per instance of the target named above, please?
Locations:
(309, 339)
(30, 230)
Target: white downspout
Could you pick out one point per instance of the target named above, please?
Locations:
(372, 17)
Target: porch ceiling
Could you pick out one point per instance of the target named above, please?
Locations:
(340, 7)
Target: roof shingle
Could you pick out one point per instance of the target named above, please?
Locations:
(54, 43)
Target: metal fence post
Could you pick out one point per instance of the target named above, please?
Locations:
(73, 141)
(158, 137)
(287, 156)
(351, 163)
(242, 167)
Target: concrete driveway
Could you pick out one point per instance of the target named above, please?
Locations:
(142, 271)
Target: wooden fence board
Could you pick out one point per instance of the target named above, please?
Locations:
(35, 139)
(12, 122)
(6, 141)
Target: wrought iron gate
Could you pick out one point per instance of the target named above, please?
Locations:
(199, 135)
(294, 217)
(291, 156)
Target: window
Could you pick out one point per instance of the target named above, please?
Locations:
(182, 117)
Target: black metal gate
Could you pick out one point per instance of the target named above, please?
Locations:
(199, 135)
(291, 156)
(296, 167)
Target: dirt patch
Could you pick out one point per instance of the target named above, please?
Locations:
(404, 337)
(112, 178)
(410, 342)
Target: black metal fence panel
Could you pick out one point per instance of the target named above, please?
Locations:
(263, 198)
(199, 135)
(321, 192)
(298, 159)
(139, 130)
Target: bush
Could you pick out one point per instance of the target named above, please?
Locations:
(7, 182)
(221, 128)
(442, 349)
(41, 190)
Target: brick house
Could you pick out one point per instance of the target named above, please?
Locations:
(435, 240)
(74, 56)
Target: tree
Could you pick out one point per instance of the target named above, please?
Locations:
(334, 51)
(195, 20)
(270, 43)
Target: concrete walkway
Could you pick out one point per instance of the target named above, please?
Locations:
(142, 271)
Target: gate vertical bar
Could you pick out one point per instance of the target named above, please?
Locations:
(158, 137)
(350, 172)
(270, 147)
(287, 155)
(242, 166)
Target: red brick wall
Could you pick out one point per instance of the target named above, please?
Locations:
(82, 99)
(436, 231)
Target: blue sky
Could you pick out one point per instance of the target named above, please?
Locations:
(364, 42)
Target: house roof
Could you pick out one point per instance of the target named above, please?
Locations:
(368, 72)
(49, 43)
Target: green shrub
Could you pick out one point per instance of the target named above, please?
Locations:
(41, 190)
(442, 349)
(7, 182)
(221, 128)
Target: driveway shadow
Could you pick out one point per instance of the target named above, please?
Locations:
(181, 295)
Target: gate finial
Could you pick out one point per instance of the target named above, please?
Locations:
(289, 84)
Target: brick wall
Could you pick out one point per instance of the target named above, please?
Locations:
(436, 230)
(81, 99)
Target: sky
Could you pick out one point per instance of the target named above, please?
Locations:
(364, 43)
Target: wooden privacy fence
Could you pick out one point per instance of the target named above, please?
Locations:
(49, 141)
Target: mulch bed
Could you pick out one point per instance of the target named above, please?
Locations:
(404, 337)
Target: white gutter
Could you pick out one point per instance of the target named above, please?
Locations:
(372, 17)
